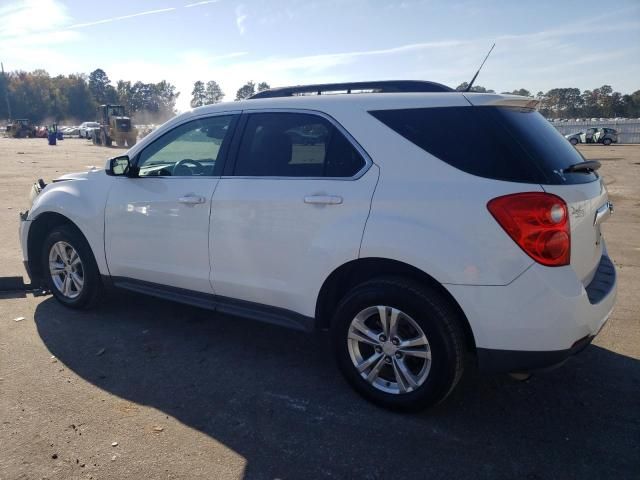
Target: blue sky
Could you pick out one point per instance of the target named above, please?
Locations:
(540, 45)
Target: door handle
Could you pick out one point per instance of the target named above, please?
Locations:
(603, 213)
(323, 199)
(191, 199)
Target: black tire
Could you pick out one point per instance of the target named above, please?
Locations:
(606, 141)
(574, 141)
(92, 289)
(435, 315)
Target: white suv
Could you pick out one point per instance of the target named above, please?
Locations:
(421, 226)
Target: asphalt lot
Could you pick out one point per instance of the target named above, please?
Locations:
(188, 394)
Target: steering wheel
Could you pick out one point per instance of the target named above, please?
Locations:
(181, 168)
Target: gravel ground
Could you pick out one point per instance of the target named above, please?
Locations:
(143, 388)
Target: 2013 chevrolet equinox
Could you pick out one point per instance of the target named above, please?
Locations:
(367, 214)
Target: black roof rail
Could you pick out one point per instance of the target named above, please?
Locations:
(384, 86)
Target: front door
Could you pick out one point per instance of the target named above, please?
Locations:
(157, 224)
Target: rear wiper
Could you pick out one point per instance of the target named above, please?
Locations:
(583, 167)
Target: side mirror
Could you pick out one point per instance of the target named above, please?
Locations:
(119, 166)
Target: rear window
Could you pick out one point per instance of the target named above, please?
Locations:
(502, 143)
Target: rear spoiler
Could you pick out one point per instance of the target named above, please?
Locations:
(491, 99)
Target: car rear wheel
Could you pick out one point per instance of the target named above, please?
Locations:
(70, 270)
(398, 343)
(606, 141)
(574, 141)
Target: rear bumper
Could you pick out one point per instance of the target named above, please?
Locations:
(507, 361)
(539, 320)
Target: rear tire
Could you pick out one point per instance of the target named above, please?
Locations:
(433, 358)
(69, 268)
(574, 141)
(606, 142)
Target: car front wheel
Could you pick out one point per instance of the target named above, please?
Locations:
(399, 343)
(70, 270)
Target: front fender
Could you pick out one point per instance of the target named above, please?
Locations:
(81, 201)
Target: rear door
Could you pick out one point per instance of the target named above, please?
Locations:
(292, 209)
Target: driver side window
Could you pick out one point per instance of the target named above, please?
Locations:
(191, 149)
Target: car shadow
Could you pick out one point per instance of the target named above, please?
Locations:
(275, 397)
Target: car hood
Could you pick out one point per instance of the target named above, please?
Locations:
(91, 173)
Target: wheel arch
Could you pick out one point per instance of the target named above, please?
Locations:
(352, 273)
(40, 228)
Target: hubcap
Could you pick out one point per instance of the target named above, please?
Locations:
(66, 269)
(389, 349)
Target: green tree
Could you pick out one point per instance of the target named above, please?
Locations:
(246, 90)
(123, 91)
(523, 92)
(476, 88)
(198, 95)
(101, 88)
(213, 93)
(263, 86)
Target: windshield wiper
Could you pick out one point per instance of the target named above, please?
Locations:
(583, 167)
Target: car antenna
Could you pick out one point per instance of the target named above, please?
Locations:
(468, 89)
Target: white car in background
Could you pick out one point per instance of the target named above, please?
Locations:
(364, 214)
(86, 128)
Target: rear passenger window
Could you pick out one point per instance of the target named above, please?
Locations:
(502, 143)
(295, 145)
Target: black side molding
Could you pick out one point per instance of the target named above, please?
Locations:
(231, 306)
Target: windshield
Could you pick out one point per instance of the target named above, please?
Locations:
(117, 111)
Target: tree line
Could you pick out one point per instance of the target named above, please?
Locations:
(210, 93)
(572, 103)
(42, 98)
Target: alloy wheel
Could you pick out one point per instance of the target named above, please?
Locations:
(389, 349)
(66, 269)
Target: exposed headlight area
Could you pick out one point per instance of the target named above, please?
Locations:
(36, 188)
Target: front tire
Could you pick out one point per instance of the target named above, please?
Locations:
(398, 343)
(574, 141)
(70, 269)
(606, 141)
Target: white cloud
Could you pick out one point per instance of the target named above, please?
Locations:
(21, 19)
(197, 4)
(241, 18)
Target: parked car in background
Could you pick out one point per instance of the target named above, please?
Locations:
(70, 131)
(335, 212)
(574, 138)
(605, 136)
(86, 127)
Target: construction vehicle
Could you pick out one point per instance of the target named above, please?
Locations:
(21, 128)
(115, 126)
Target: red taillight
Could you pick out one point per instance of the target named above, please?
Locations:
(538, 222)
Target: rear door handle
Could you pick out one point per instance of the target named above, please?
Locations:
(323, 199)
(191, 199)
